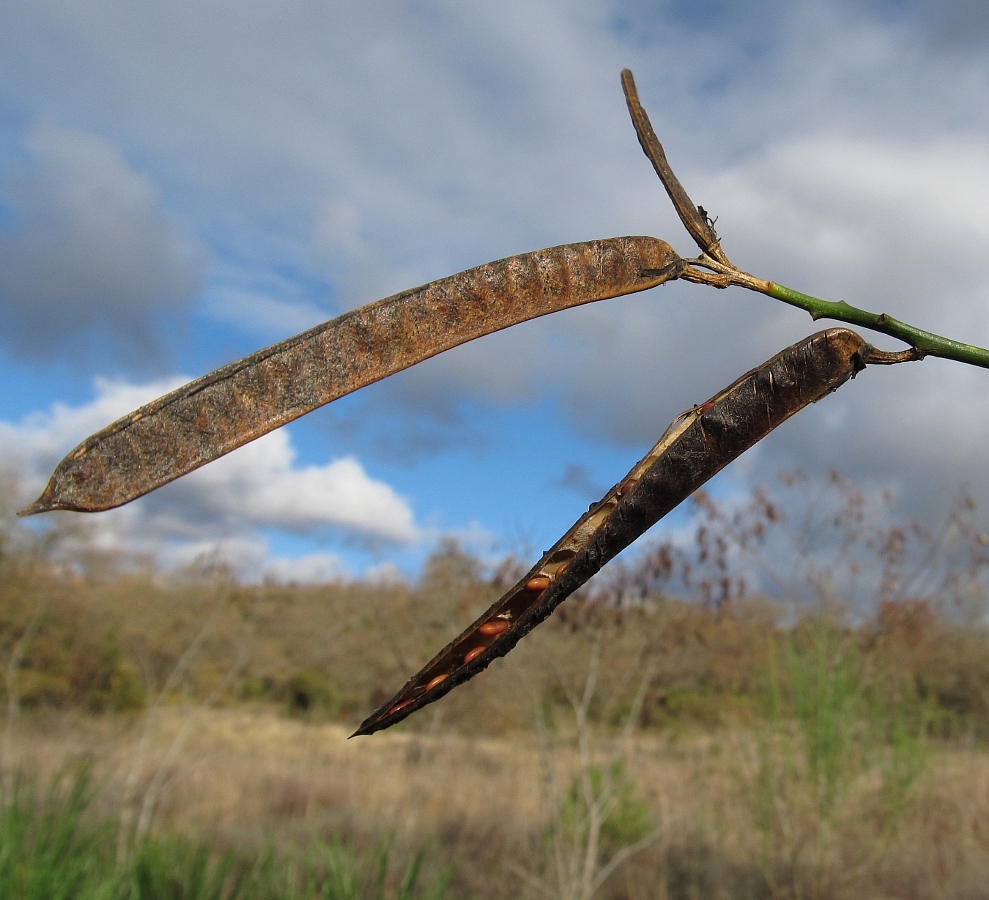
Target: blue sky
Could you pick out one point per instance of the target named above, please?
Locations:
(183, 183)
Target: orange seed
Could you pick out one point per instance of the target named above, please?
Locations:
(495, 626)
(439, 679)
(537, 583)
(473, 654)
(625, 488)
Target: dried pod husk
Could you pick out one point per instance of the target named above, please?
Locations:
(242, 401)
(700, 443)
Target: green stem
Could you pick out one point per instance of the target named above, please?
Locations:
(927, 343)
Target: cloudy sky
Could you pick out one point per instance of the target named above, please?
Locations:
(182, 183)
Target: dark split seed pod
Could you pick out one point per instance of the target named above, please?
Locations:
(695, 447)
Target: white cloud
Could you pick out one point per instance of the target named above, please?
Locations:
(261, 485)
(251, 557)
(878, 221)
(313, 568)
(261, 314)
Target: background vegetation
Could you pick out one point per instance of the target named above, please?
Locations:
(791, 702)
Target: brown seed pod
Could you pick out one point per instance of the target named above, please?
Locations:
(246, 399)
(696, 446)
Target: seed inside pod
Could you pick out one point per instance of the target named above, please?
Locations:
(625, 488)
(399, 706)
(537, 583)
(439, 679)
(562, 569)
(495, 626)
(474, 654)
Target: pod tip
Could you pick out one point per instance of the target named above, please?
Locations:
(40, 505)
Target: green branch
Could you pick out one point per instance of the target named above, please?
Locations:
(925, 342)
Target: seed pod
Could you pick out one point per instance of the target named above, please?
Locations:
(695, 447)
(246, 399)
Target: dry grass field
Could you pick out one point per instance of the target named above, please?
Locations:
(251, 777)
(635, 746)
